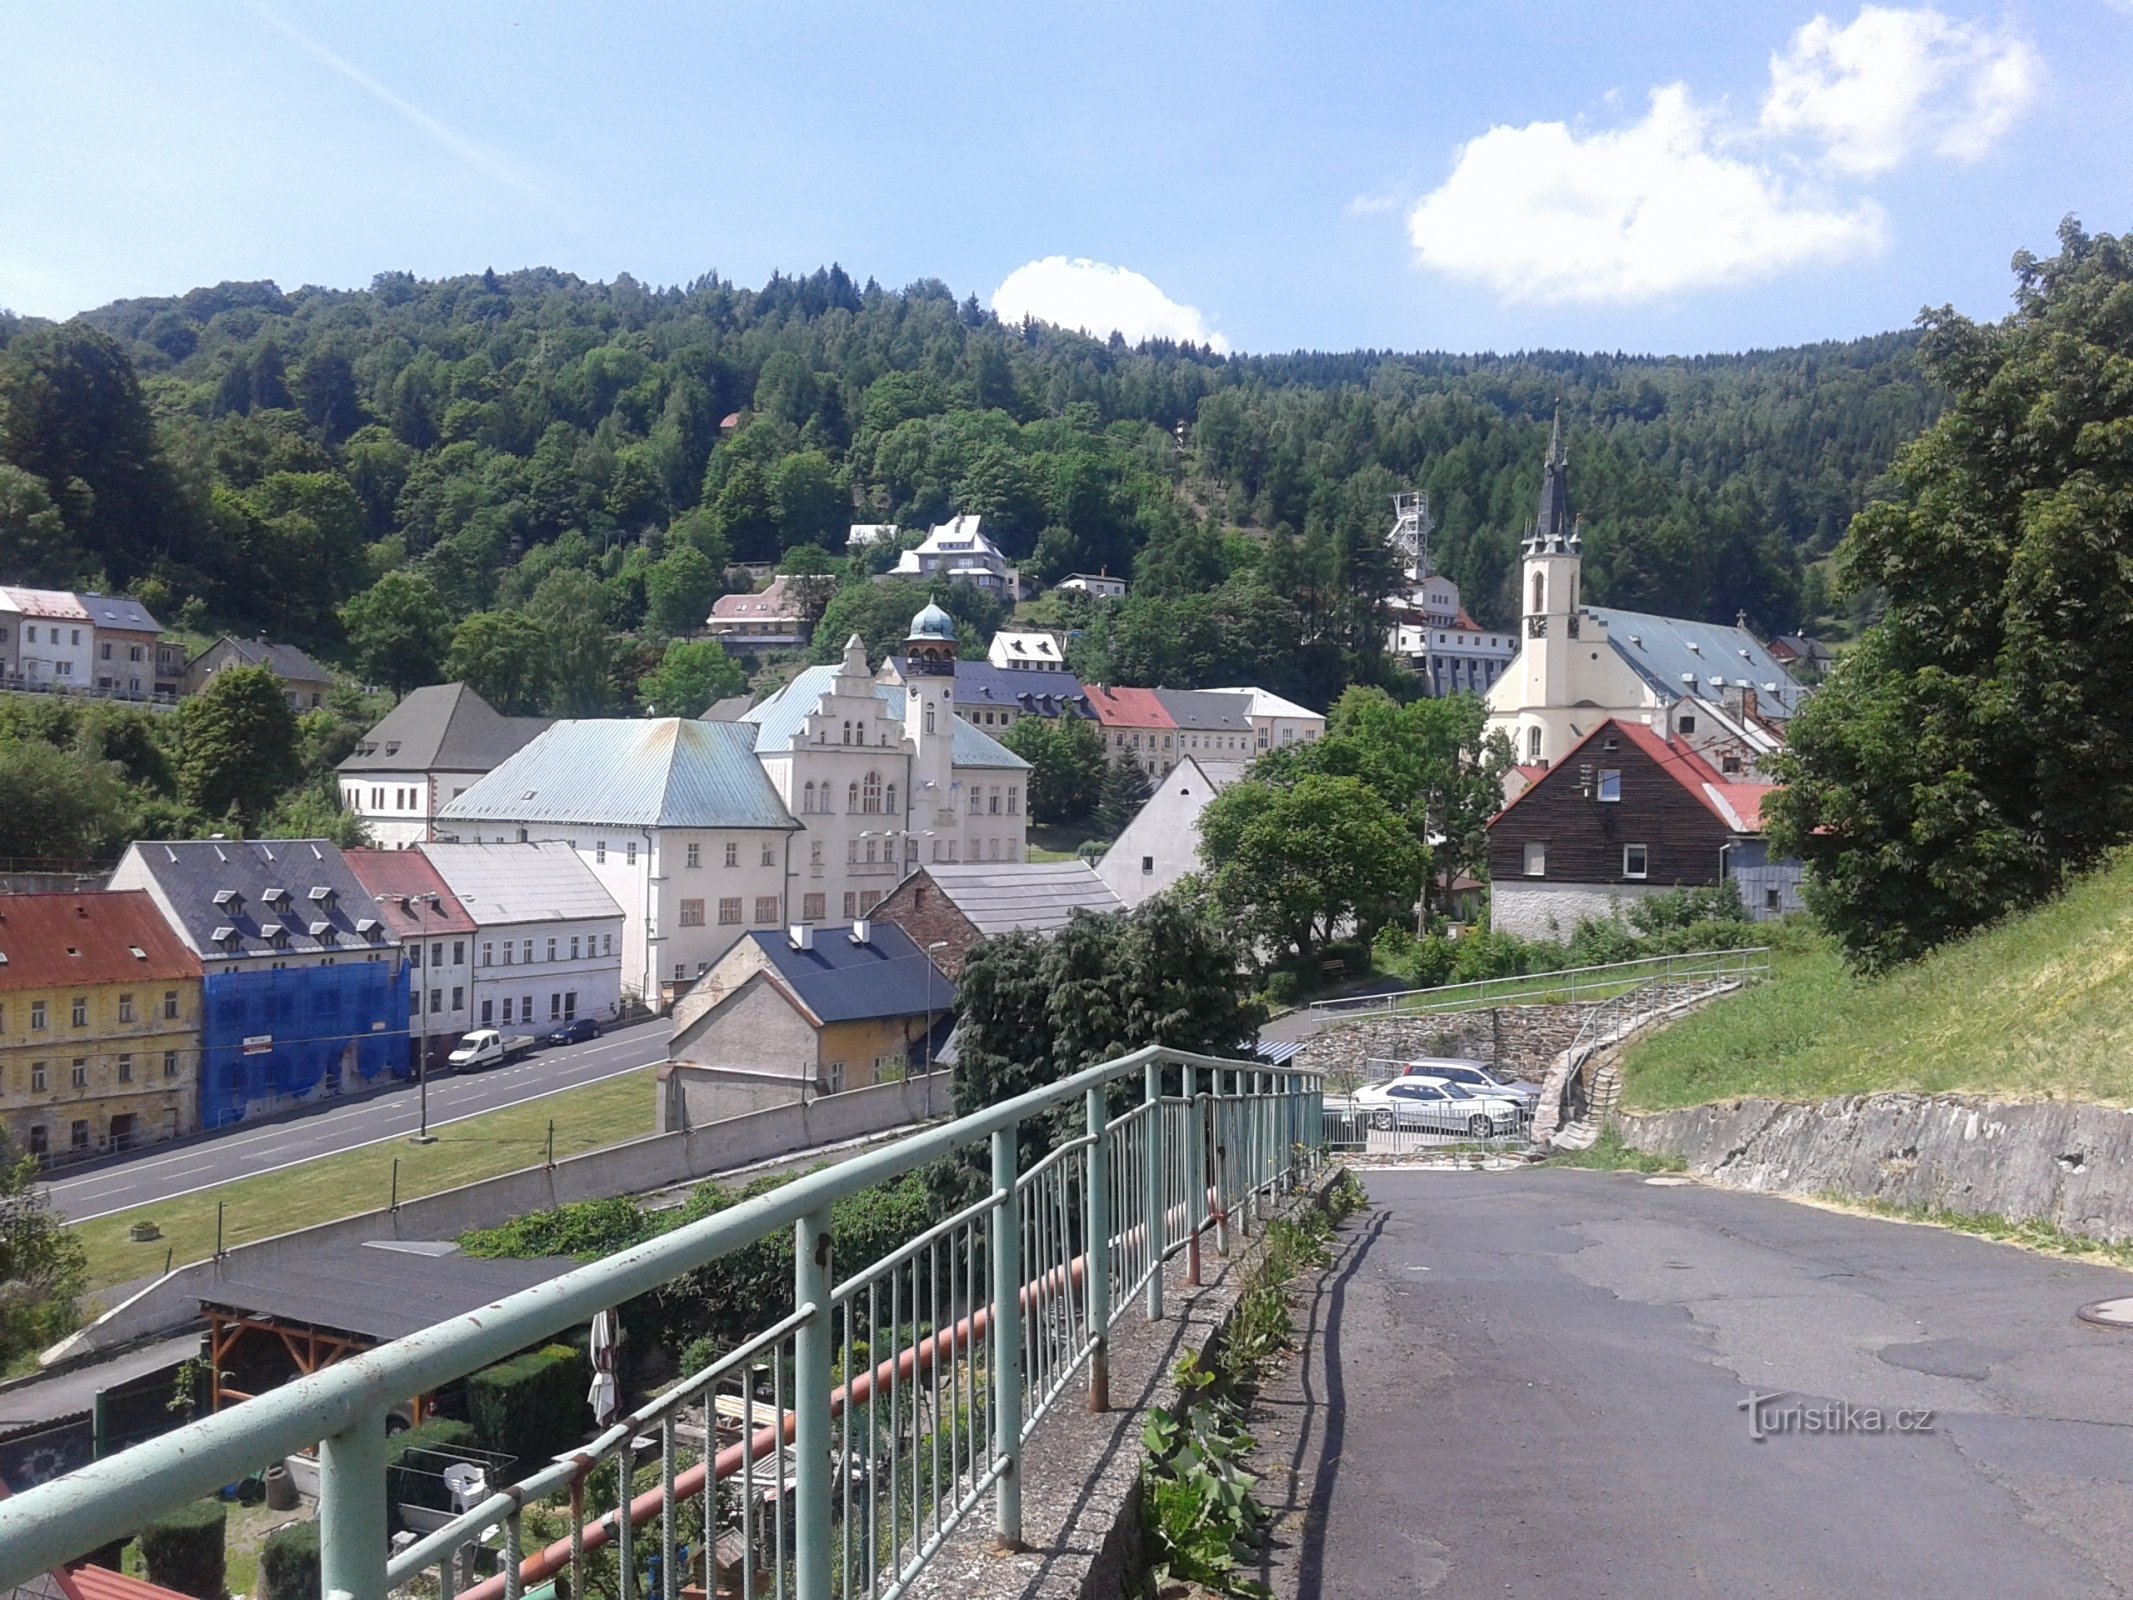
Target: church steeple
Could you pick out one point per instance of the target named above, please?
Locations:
(1555, 529)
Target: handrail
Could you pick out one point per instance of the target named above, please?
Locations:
(342, 1407)
(1538, 985)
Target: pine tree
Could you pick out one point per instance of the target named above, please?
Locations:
(1125, 790)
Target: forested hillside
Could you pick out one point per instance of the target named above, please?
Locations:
(547, 455)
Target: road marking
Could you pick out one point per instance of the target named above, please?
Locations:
(364, 1144)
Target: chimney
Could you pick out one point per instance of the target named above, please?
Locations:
(862, 931)
(801, 935)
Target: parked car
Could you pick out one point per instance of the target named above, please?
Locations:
(576, 1031)
(485, 1047)
(1476, 1077)
(1430, 1105)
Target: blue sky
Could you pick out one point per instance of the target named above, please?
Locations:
(1465, 176)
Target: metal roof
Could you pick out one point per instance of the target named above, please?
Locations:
(499, 883)
(840, 981)
(1679, 658)
(1037, 895)
(443, 727)
(58, 603)
(1206, 711)
(779, 719)
(118, 612)
(190, 874)
(373, 1290)
(286, 661)
(1265, 703)
(660, 772)
(51, 941)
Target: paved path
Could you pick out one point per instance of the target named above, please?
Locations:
(1531, 1384)
(162, 1174)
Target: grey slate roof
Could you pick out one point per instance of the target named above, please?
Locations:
(1206, 710)
(442, 727)
(839, 981)
(116, 611)
(373, 1290)
(1038, 690)
(660, 772)
(1037, 895)
(1663, 650)
(189, 873)
(730, 709)
(287, 662)
(777, 720)
(540, 882)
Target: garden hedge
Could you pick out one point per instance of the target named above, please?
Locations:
(184, 1549)
(532, 1406)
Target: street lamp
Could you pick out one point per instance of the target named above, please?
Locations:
(409, 905)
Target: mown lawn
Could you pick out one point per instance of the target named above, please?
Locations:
(342, 1185)
(2038, 1006)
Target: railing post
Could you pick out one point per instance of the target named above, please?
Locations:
(1006, 1341)
(811, 1406)
(351, 1514)
(1096, 1253)
(1195, 1173)
(1158, 1232)
(1221, 1159)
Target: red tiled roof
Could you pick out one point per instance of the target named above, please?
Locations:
(395, 873)
(101, 1583)
(771, 602)
(1127, 708)
(1737, 805)
(51, 941)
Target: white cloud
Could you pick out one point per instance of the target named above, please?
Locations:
(1097, 298)
(1546, 213)
(1893, 82)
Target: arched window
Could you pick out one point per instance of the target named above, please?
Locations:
(929, 719)
(848, 733)
(851, 798)
(872, 803)
(1533, 744)
(1540, 593)
(889, 805)
(807, 797)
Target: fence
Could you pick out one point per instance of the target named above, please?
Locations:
(1571, 983)
(949, 1351)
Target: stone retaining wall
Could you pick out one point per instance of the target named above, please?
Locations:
(2055, 1161)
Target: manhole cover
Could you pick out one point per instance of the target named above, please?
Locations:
(1668, 1183)
(2109, 1313)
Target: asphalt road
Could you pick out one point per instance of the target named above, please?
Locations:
(161, 1173)
(1532, 1385)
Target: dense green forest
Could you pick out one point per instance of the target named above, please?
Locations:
(363, 472)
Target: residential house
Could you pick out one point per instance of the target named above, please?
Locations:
(304, 991)
(1099, 585)
(947, 909)
(757, 624)
(1807, 659)
(10, 641)
(1580, 665)
(884, 775)
(1211, 724)
(1020, 651)
(992, 698)
(1135, 723)
(796, 1013)
(57, 647)
(676, 818)
(99, 1025)
(436, 931)
(548, 937)
(959, 551)
(432, 747)
(1627, 813)
(133, 658)
(1162, 842)
(1277, 723)
(304, 681)
(865, 535)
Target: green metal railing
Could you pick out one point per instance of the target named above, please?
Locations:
(833, 1452)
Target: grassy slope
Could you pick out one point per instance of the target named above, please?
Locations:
(2041, 1005)
(342, 1185)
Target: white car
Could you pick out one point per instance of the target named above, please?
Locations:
(1476, 1077)
(1420, 1104)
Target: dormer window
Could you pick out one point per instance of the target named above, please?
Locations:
(278, 898)
(323, 897)
(229, 902)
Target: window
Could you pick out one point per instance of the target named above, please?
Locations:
(929, 719)
(459, 952)
(811, 908)
(1729, 764)
(729, 911)
(488, 1013)
(37, 1022)
(37, 1077)
(570, 1003)
(459, 997)
(851, 797)
(106, 654)
(870, 794)
(1014, 800)
(488, 951)
(814, 853)
(507, 952)
(599, 852)
(694, 857)
(1536, 858)
(551, 948)
(1771, 900)
(868, 900)
(437, 954)
(526, 952)
(1147, 864)
(125, 1008)
(170, 1065)
(525, 1008)
(1688, 723)
(977, 799)
(807, 796)
(78, 1135)
(1533, 744)
(1636, 859)
(1610, 789)
(629, 854)
(770, 855)
(851, 905)
(835, 1074)
(555, 1008)
(733, 854)
(573, 947)
(414, 1002)
(692, 913)
(81, 1073)
(125, 1067)
(1540, 593)
(436, 1000)
(81, 1011)
(766, 909)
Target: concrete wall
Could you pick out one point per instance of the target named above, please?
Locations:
(2053, 1161)
(653, 1162)
(1539, 909)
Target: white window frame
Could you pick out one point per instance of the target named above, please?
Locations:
(1535, 858)
(1608, 790)
(1644, 852)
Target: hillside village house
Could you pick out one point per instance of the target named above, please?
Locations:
(1716, 687)
(55, 640)
(947, 909)
(676, 818)
(1627, 813)
(1097, 585)
(133, 659)
(548, 939)
(1019, 651)
(99, 1025)
(1162, 842)
(428, 750)
(792, 1014)
(1135, 723)
(756, 624)
(303, 680)
(435, 931)
(959, 551)
(304, 992)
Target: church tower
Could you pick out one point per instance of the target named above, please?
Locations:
(1552, 555)
(929, 725)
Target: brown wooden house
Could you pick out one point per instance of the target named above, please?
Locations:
(1628, 813)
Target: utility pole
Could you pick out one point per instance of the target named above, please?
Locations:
(418, 906)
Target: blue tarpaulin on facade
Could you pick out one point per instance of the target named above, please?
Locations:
(273, 1039)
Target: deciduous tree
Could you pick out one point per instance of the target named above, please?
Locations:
(399, 630)
(503, 657)
(692, 674)
(236, 744)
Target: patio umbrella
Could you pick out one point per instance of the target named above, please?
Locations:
(606, 1393)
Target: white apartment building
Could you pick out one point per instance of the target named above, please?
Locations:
(1277, 722)
(1026, 651)
(959, 551)
(57, 643)
(428, 750)
(547, 941)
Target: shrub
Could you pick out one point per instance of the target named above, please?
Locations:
(532, 1406)
(418, 1482)
(183, 1549)
(288, 1564)
(1282, 987)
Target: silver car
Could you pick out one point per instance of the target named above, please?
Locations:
(1476, 1077)
(1419, 1104)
